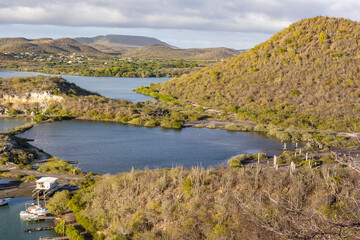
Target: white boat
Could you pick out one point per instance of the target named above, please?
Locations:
(28, 217)
(37, 209)
(4, 201)
(34, 211)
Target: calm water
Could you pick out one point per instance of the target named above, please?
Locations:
(3, 181)
(7, 124)
(12, 227)
(103, 147)
(112, 87)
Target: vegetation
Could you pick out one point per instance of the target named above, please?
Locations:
(15, 151)
(304, 76)
(29, 178)
(20, 129)
(56, 165)
(221, 204)
(66, 56)
(326, 138)
(42, 45)
(71, 101)
(291, 133)
(160, 52)
(138, 68)
(145, 69)
(70, 231)
(58, 203)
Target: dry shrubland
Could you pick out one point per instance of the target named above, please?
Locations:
(307, 75)
(222, 203)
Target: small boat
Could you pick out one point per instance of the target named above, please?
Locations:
(31, 218)
(37, 210)
(4, 201)
(33, 212)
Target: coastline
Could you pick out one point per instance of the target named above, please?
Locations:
(18, 189)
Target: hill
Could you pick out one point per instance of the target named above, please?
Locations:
(45, 45)
(194, 203)
(52, 97)
(119, 43)
(307, 75)
(164, 52)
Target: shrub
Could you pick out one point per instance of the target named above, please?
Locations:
(29, 178)
(137, 121)
(58, 203)
(39, 118)
(235, 162)
(327, 159)
(187, 186)
(12, 112)
(72, 233)
(235, 127)
(177, 125)
(58, 166)
(150, 123)
(295, 92)
(323, 37)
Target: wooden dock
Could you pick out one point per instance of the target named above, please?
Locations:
(53, 238)
(39, 229)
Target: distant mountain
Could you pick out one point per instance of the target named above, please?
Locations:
(119, 43)
(45, 45)
(307, 75)
(126, 46)
(165, 52)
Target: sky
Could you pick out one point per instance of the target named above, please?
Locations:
(238, 24)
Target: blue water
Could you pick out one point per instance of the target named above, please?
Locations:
(103, 147)
(112, 87)
(12, 227)
(7, 124)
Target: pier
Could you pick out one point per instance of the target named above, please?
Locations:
(39, 229)
(53, 238)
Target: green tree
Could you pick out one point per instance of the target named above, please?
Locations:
(58, 203)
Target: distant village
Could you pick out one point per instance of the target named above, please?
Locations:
(57, 58)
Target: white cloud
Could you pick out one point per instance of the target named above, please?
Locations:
(183, 23)
(230, 15)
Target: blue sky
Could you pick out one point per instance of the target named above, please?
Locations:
(236, 24)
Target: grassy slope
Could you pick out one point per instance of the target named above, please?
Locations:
(306, 75)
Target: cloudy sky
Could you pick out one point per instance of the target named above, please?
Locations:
(237, 24)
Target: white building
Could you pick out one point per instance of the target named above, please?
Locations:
(46, 183)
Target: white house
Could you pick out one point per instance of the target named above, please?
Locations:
(46, 183)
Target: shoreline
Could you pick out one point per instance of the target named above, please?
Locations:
(17, 188)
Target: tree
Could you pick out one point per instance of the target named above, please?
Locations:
(58, 203)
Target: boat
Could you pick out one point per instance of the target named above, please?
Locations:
(31, 218)
(4, 201)
(33, 212)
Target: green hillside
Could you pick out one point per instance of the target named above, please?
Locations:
(307, 75)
